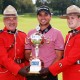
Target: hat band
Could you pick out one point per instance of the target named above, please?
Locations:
(76, 13)
(10, 15)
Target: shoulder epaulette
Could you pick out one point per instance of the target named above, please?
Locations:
(1, 31)
(21, 31)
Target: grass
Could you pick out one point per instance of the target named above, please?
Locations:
(31, 22)
(26, 23)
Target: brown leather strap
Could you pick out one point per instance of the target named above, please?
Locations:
(12, 45)
(74, 34)
(19, 61)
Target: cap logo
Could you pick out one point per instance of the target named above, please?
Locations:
(42, 8)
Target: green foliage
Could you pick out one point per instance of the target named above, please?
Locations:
(58, 6)
(26, 6)
(23, 6)
(40, 2)
(1, 7)
(8, 2)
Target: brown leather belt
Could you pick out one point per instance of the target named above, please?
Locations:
(19, 61)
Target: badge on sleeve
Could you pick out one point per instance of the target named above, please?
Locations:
(60, 64)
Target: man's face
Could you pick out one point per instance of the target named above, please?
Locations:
(73, 21)
(10, 22)
(43, 18)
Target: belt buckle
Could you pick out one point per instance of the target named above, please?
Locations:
(78, 61)
(18, 61)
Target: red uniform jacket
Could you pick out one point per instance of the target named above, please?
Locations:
(8, 67)
(71, 70)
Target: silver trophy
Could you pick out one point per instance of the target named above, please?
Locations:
(36, 39)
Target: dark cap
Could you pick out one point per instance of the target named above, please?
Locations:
(43, 8)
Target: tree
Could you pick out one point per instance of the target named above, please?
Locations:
(24, 6)
(59, 6)
(78, 3)
(41, 2)
(1, 6)
(8, 2)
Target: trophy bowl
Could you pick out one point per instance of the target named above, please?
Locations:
(36, 39)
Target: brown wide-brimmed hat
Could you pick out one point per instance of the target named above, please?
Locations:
(10, 10)
(73, 9)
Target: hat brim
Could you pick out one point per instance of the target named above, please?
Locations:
(66, 15)
(10, 15)
(47, 12)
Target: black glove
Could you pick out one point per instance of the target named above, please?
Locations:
(24, 71)
(44, 72)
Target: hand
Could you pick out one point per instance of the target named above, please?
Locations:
(44, 72)
(24, 71)
(31, 58)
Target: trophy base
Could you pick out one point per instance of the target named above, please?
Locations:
(33, 72)
(35, 66)
(34, 69)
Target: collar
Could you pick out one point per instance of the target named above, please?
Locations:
(9, 31)
(45, 30)
(74, 30)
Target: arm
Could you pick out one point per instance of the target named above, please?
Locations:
(59, 47)
(59, 56)
(28, 48)
(70, 60)
(7, 61)
(27, 54)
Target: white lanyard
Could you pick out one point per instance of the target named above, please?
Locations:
(68, 40)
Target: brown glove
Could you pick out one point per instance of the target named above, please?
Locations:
(24, 71)
(44, 72)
